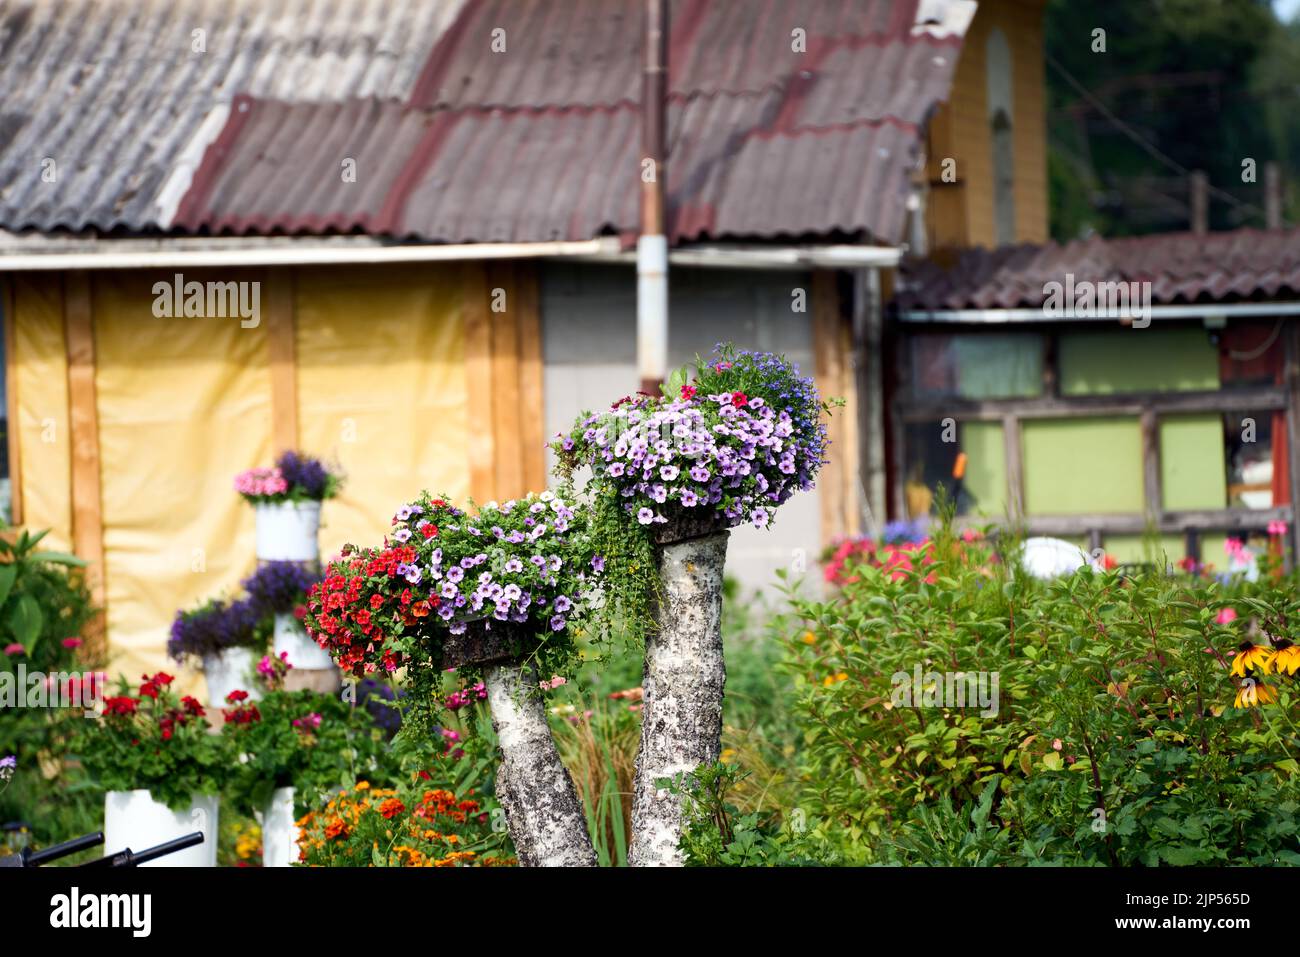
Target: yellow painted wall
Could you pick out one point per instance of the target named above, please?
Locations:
(961, 214)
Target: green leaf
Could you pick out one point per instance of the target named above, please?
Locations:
(25, 621)
(8, 574)
(59, 558)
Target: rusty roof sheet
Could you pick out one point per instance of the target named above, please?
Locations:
(541, 142)
(123, 97)
(1243, 264)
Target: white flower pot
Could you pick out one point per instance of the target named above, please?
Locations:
(133, 819)
(233, 669)
(287, 532)
(279, 830)
(291, 636)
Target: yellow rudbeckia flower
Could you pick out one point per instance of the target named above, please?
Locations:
(1252, 656)
(1287, 660)
(1254, 693)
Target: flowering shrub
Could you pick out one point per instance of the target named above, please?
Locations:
(414, 826)
(215, 626)
(312, 742)
(728, 447)
(518, 563)
(155, 740)
(294, 478)
(1133, 721)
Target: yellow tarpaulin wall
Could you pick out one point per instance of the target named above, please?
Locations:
(184, 404)
(40, 367)
(382, 390)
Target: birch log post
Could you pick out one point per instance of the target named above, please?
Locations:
(542, 809)
(681, 717)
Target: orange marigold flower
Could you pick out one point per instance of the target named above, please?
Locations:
(391, 808)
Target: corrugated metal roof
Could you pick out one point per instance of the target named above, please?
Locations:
(1244, 264)
(541, 142)
(123, 100)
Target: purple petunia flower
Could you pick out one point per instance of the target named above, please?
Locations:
(645, 516)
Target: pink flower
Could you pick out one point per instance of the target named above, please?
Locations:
(1056, 744)
(1233, 546)
(1277, 527)
(1226, 616)
(71, 642)
(450, 735)
(14, 649)
(551, 685)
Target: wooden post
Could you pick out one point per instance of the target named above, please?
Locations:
(282, 346)
(1015, 467)
(8, 300)
(1292, 384)
(531, 370)
(1152, 493)
(1199, 184)
(83, 425)
(829, 361)
(1272, 195)
(869, 337)
(478, 376)
(507, 417)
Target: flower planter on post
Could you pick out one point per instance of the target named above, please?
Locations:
(279, 830)
(133, 819)
(227, 671)
(543, 813)
(669, 474)
(683, 651)
(304, 654)
(288, 531)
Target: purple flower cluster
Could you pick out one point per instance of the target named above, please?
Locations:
(507, 563)
(725, 451)
(306, 476)
(212, 628)
(279, 587)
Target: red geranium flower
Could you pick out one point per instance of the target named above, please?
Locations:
(121, 706)
(236, 696)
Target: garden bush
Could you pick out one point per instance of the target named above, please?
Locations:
(1118, 733)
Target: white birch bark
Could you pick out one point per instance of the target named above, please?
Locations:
(681, 718)
(543, 813)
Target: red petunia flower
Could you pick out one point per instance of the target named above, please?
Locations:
(688, 392)
(739, 399)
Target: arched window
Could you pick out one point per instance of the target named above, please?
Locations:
(998, 74)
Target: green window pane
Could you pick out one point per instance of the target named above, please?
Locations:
(1075, 466)
(998, 366)
(986, 467)
(1192, 470)
(1124, 361)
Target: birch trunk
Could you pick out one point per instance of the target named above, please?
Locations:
(681, 718)
(543, 813)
